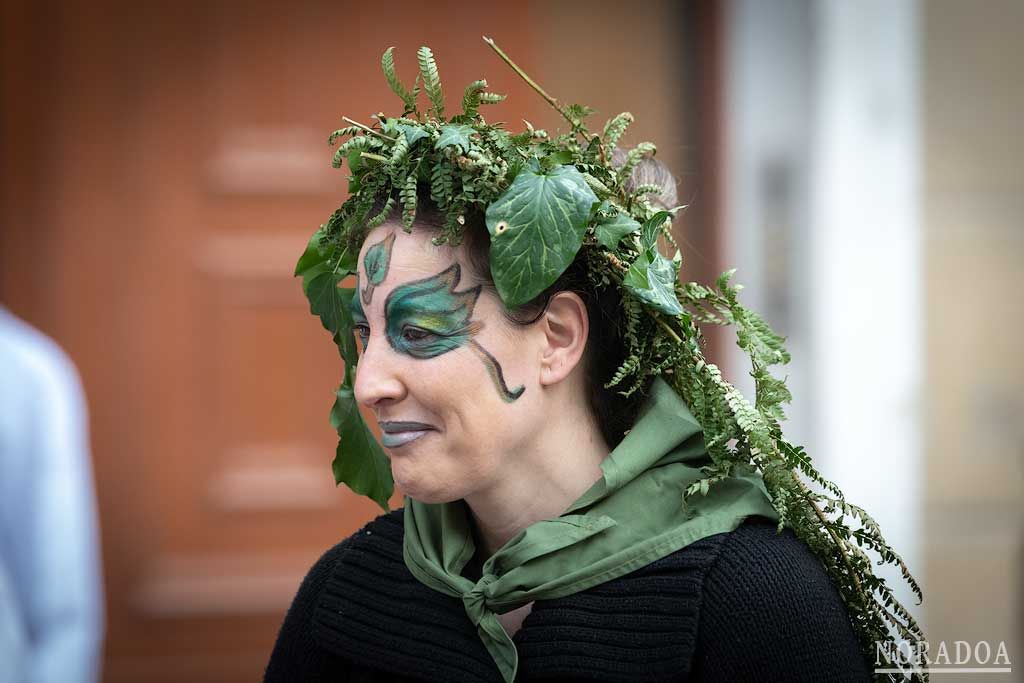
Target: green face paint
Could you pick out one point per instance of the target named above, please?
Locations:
(427, 318)
(375, 263)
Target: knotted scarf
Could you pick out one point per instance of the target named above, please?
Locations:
(632, 516)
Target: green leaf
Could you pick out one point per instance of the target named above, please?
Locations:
(652, 278)
(387, 62)
(578, 112)
(610, 230)
(325, 301)
(343, 338)
(554, 159)
(312, 262)
(652, 228)
(454, 135)
(359, 461)
(471, 98)
(412, 133)
(537, 226)
(431, 80)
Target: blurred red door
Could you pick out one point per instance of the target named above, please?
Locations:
(163, 169)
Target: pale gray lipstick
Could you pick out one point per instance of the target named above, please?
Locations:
(397, 434)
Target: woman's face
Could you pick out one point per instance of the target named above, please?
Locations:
(453, 385)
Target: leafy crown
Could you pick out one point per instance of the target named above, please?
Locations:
(544, 200)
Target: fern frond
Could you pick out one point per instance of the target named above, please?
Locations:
(383, 215)
(431, 81)
(387, 62)
(357, 143)
(633, 158)
(342, 132)
(441, 183)
(408, 196)
(491, 97)
(399, 152)
(614, 129)
(471, 98)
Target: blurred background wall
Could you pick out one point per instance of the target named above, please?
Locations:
(164, 165)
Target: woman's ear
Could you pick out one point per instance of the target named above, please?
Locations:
(565, 327)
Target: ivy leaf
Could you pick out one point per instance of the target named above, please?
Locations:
(312, 262)
(389, 126)
(325, 300)
(652, 278)
(652, 228)
(359, 461)
(537, 226)
(317, 259)
(554, 159)
(412, 133)
(343, 338)
(454, 135)
(610, 230)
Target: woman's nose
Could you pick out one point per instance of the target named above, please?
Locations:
(377, 379)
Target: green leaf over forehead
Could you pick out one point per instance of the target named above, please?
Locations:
(536, 227)
(431, 304)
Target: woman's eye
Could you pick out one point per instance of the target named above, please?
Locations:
(362, 331)
(413, 334)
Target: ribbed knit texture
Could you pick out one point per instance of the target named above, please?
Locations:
(745, 606)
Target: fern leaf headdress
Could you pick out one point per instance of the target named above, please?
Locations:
(469, 164)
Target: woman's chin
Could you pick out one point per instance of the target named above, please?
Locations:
(420, 490)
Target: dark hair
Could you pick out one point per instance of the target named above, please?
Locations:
(605, 348)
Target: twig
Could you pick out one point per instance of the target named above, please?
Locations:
(367, 129)
(533, 84)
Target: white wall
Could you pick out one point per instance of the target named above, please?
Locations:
(822, 212)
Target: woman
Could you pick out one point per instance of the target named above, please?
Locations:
(745, 605)
(556, 525)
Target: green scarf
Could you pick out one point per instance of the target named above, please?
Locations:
(628, 519)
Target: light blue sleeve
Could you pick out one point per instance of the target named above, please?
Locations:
(51, 592)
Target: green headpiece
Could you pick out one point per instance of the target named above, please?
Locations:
(545, 199)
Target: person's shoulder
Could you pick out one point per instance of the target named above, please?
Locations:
(760, 564)
(382, 535)
(299, 652)
(39, 376)
(31, 354)
(770, 611)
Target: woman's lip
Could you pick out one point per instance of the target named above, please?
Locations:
(397, 439)
(395, 427)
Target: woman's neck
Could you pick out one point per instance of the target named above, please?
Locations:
(540, 483)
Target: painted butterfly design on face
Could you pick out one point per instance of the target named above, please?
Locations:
(427, 318)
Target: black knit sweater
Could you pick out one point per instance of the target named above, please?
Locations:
(748, 605)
